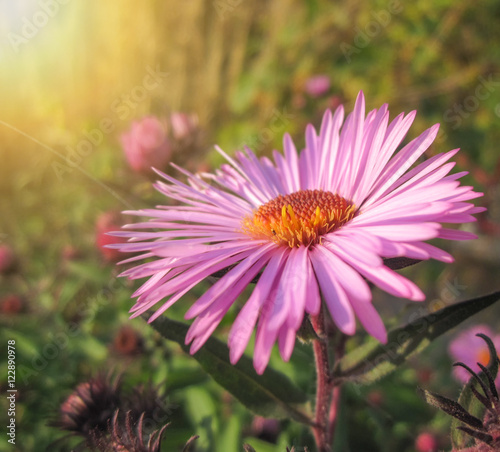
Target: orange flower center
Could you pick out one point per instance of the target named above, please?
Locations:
(300, 218)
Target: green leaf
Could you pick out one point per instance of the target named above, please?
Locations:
(270, 395)
(341, 432)
(467, 399)
(88, 271)
(200, 405)
(229, 438)
(373, 360)
(201, 410)
(184, 376)
(452, 408)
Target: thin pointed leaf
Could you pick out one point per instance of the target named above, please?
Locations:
(188, 447)
(470, 402)
(473, 376)
(452, 408)
(270, 395)
(485, 401)
(373, 360)
(484, 437)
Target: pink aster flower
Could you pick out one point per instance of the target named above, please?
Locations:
(318, 85)
(146, 144)
(470, 350)
(315, 225)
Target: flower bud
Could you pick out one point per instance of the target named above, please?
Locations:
(318, 85)
(426, 442)
(265, 428)
(127, 341)
(7, 258)
(88, 408)
(146, 145)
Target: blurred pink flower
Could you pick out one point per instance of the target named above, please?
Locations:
(11, 304)
(108, 222)
(426, 442)
(7, 258)
(318, 85)
(265, 428)
(469, 349)
(314, 224)
(146, 144)
(183, 125)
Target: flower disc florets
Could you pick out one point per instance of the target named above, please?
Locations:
(300, 218)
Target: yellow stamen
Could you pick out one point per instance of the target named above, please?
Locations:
(300, 218)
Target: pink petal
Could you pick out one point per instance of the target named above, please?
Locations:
(245, 321)
(335, 297)
(286, 341)
(226, 284)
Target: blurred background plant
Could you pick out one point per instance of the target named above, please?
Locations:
(78, 76)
